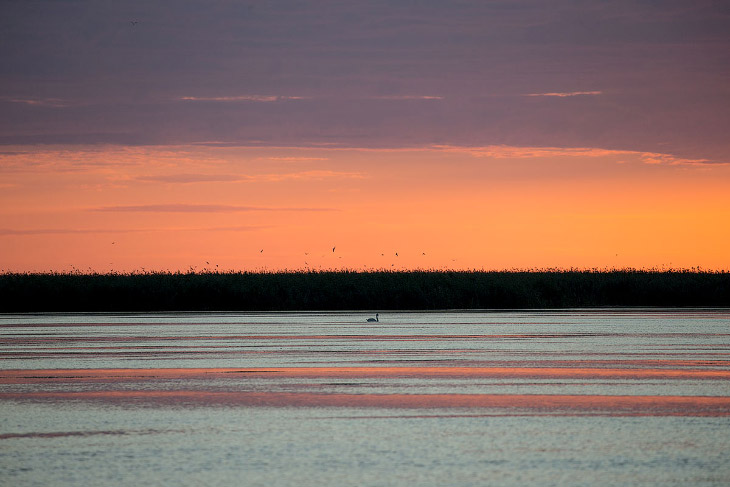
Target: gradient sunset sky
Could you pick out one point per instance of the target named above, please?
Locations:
(170, 135)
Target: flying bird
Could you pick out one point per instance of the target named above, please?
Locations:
(261, 250)
(134, 22)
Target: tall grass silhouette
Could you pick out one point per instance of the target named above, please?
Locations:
(374, 290)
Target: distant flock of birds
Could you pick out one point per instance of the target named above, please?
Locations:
(333, 250)
(335, 247)
(261, 251)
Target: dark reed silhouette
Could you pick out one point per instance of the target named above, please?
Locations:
(383, 290)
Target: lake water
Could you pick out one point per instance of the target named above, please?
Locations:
(569, 398)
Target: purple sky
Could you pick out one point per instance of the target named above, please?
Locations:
(628, 75)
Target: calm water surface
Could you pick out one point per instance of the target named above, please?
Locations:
(431, 399)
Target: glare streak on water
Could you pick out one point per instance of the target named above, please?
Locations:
(338, 401)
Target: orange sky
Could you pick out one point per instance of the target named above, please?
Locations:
(113, 207)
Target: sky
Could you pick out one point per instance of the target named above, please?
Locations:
(270, 135)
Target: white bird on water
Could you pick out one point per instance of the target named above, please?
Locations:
(374, 319)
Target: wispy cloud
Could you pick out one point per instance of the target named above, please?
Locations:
(239, 228)
(91, 231)
(49, 231)
(190, 178)
(239, 98)
(275, 98)
(37, 102)
(311, 175)
(90, 157)
(517, 152)
(670, 160)
(513, 152)
(567, 94)
(407, 97)
(191, 208)
(205, 178)
(296, 159)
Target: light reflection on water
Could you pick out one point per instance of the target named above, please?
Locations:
(509, 398)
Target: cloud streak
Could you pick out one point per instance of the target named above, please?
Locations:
(190, 178)
(275, 98)
(310, 175)
(407, 97)
(297, 159)
(200, 208)
(513, 152)
(37, 102)
(566, 94)
(244, 98)
(90, 231)
(204, 178)
(58, 231)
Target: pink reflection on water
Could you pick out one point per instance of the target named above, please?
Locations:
(517, 403)
(80, 375)
(632, 405)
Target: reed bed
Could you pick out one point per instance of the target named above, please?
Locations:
(350, 290)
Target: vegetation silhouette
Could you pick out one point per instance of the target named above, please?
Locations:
(351, 290)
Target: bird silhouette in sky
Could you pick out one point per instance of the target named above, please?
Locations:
(134, 22)
(260, 251)
(333, 249)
